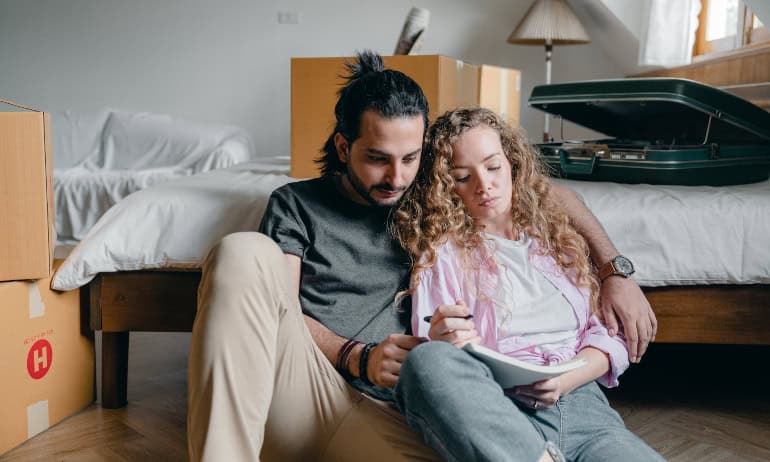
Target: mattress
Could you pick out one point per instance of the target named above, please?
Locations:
(675, 235)
(685, 235)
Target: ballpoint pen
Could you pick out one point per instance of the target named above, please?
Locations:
(428, 318)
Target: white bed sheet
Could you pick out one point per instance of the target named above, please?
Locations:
(173, 224)
(676, 235)
(685, 235)
(102, 156)
(82, 196)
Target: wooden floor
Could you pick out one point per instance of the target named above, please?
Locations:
(701, 403)
(151, 428)
(692, 403)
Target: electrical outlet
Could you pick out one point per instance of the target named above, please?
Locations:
(288, 17)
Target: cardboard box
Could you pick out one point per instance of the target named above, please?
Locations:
(500, 91)
(446, 82)
(46, 359)
(27, 235)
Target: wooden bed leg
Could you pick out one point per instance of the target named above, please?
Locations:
(114, 369)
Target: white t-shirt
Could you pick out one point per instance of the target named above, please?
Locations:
(526, 303)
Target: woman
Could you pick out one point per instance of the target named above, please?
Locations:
(488, 241)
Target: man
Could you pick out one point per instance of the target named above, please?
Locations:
(288, 337)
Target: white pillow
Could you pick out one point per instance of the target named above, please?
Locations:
(173, 224)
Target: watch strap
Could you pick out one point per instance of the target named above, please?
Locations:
(607, 270)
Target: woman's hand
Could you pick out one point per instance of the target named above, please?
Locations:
(539, 395)
(544, 394)
(449, 324)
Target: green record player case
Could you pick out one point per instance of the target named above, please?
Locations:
(661, 131)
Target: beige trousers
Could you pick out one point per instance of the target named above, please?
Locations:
(259, 387)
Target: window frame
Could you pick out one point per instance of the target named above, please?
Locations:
(748, 36)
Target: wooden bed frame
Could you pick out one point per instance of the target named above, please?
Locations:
(165, 301)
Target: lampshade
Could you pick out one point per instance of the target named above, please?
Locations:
(549, 21)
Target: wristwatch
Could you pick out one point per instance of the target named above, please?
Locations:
(618, 266)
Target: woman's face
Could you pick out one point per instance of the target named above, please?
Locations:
(482, 176)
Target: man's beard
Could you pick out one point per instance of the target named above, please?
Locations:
(359, 187)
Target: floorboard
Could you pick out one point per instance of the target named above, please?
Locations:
(693, 403)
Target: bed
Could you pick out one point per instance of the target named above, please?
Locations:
(701, 254)
(138, 266)
(103, 156)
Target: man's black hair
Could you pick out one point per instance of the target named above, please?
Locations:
(370, 86)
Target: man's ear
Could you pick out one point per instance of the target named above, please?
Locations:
(343, 147)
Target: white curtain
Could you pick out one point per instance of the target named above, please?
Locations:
(669, 33)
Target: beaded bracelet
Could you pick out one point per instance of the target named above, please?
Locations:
(364, 362)
(343, 357)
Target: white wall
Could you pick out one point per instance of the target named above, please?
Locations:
(228, 61)
(760, 8)
(615, 26)
(630, 13)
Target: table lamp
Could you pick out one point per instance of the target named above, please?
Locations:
(549, 23)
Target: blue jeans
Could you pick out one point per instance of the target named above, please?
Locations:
(453, 400)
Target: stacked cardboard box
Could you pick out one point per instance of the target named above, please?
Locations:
(27, 234)
(446, 82)
(46, 346)
(500, 90)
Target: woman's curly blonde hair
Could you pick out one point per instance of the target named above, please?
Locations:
(432, 212)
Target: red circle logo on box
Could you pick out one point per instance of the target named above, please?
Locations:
(39, 359)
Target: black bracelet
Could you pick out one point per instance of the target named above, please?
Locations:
(343, 356)
(363, 362)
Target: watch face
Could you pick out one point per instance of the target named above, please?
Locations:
(624, 265)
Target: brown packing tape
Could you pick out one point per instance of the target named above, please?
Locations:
(11, 103)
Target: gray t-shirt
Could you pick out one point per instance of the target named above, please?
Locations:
(352, 268)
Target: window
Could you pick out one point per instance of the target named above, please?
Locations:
(725, 25)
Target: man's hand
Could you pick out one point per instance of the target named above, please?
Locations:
(622, 298)
(449, 324)
(384, 363)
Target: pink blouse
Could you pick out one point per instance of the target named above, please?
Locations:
(448, 281)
